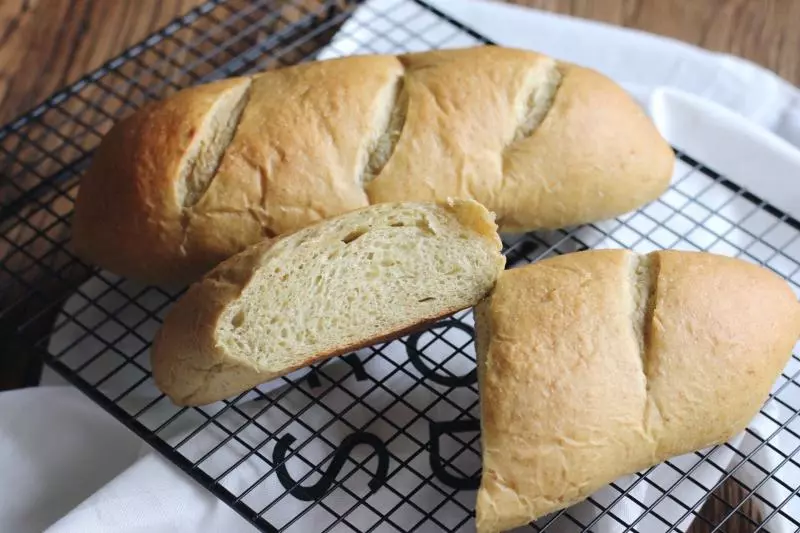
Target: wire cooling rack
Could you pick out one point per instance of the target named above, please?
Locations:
(385, 439)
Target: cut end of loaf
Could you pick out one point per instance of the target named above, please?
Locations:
(381, 270)
(342, 284)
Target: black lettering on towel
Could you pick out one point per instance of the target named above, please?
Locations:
(415, 356)
(351, 359)
(320, 488)
(358, 367)
(437, 429)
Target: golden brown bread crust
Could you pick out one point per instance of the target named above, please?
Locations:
(559, 176)
(128, 215)
(297, 153)
(473, 123)
(594, 156)
(572, 400)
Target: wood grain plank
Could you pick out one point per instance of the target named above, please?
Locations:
(45, 44)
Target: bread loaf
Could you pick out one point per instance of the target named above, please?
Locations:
(328, 289)
(598, 364)
(187, 182)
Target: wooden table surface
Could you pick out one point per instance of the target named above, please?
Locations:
(46, 44)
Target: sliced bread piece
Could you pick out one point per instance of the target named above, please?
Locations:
(342, 284)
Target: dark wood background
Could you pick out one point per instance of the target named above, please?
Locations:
(46, 44)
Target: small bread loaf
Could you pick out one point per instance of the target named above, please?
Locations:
(598, 364)
(328, 289)
(189, 181)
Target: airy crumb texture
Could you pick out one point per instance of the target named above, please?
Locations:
(325, 290)
(598, 364)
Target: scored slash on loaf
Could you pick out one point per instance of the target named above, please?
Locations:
(333, 287)
(598, 364)
(187, 182)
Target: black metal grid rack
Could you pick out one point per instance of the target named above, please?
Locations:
(387, 438)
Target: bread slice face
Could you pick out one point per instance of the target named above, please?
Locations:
(598, 364)
(342, 284)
